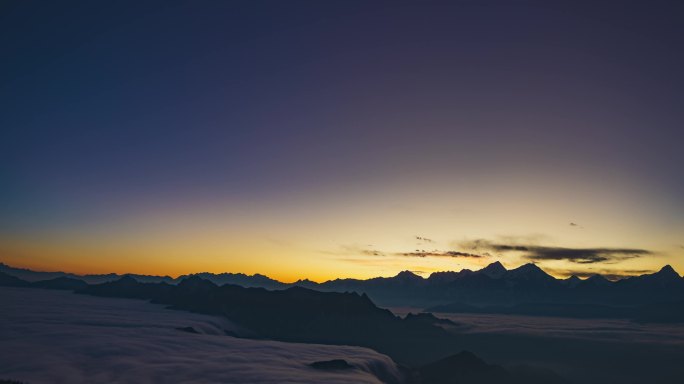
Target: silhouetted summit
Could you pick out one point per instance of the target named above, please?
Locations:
(438, 278)
(658, 285)
(494, 270)
(407, 277)
(247, 281)
(529, 271)
(666, 274)
(126, 286)
(197, 284)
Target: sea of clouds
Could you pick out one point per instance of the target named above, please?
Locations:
(59, 337)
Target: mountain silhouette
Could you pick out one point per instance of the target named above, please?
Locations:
(247, 281)
(526, 272)
(33, 276)
(65, 283)
(494, 270)
(493, 289)
(12, 281)
(666, 278)
(128, 287)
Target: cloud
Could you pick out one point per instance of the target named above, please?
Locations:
(361, 251)
(575, 255)
(371, 252)
(583, 255)
(423, 253)
(346, 250)
(424, 239)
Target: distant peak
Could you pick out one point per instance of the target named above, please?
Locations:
(408, 275)
(529, 267)
(573, 278)
(196, 281)
(667, 269)
(496, 265)
(667, 273)
(127, 279)
(529, 271)
(494, 270)
(196, 277)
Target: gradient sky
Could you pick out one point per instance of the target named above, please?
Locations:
(327, 139)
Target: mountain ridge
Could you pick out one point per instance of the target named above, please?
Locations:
(495, 268)
(493, 285)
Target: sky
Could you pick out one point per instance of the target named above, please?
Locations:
(309, 139)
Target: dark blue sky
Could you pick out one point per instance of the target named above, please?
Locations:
(108, 106)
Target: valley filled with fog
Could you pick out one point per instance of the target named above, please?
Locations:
(581, 350)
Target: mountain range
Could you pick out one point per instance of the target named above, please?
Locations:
(493, 285)
(421, 342)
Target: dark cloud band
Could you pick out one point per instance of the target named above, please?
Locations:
(575, 255)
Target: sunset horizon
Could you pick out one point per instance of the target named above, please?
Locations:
(381, 192)
(611, 275)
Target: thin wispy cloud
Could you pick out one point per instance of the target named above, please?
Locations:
(610, 274)
(353, 250)
(424, 239)
(423, 253)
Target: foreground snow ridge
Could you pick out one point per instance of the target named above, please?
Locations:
(58, 337)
